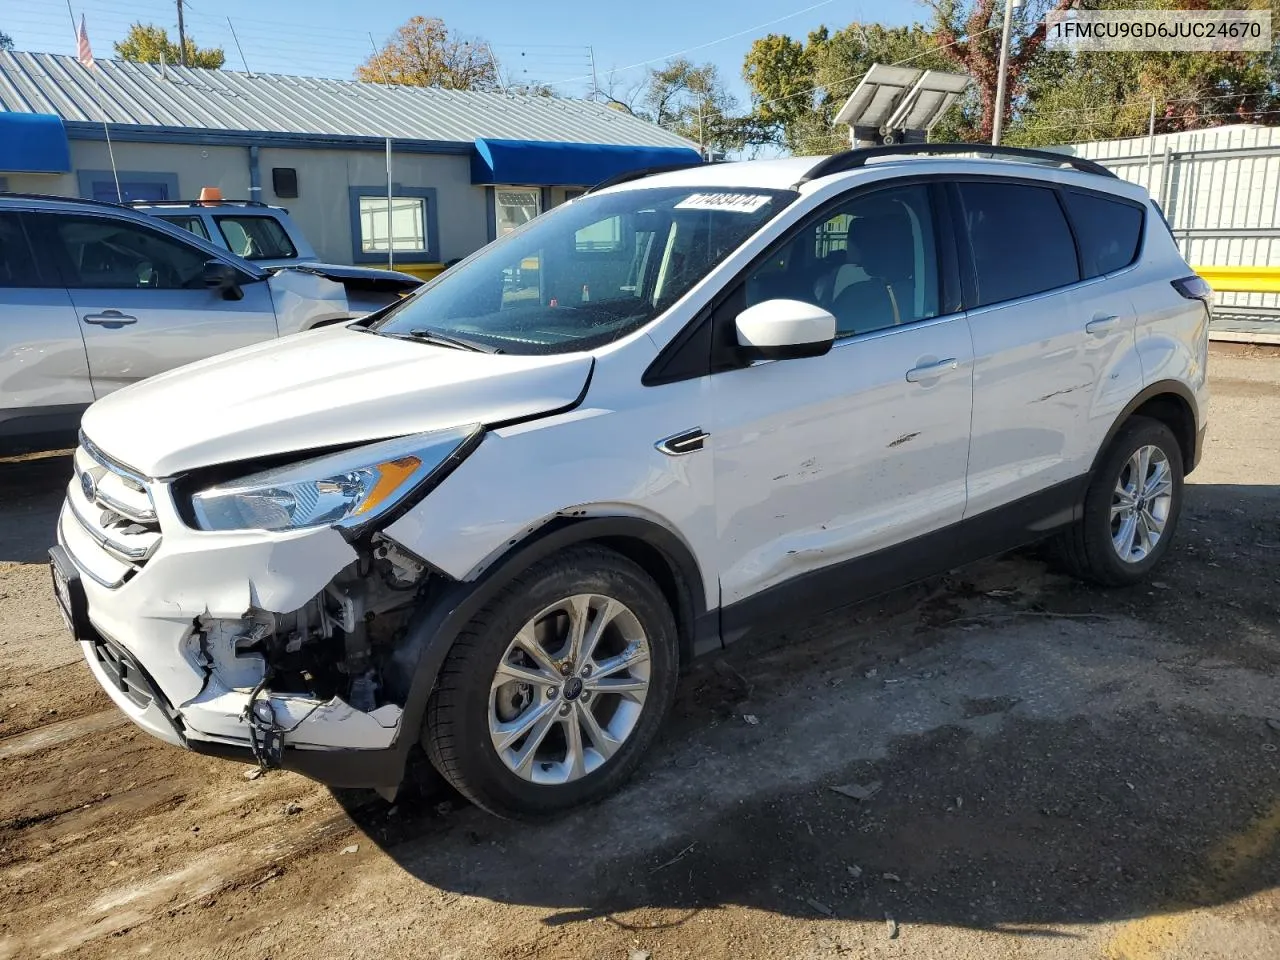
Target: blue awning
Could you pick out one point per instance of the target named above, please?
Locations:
(545, 164)
(33, 143)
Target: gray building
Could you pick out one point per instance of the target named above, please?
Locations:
(466, 166)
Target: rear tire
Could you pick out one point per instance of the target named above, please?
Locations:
(551, 695)
(1131, 508)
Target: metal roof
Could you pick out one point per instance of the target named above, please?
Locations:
(227, 100)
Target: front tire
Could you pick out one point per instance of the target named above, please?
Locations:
(549, 698)
(1131, 507)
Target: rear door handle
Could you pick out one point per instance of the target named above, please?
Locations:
(1101, 323)
(931, 371)
(111, 319)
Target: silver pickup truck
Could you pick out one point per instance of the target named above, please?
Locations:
(94, 296)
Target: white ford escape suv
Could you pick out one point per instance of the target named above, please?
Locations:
(496, 518)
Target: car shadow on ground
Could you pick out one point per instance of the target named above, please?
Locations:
(1038, 753)
(31, 491)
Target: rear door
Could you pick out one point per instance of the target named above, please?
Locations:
(44, 374)
(1044, 344)
(141, 301)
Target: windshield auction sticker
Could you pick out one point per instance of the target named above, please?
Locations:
(1158, 31)
(731, 202)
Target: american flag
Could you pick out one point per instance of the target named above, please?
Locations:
(83, 51)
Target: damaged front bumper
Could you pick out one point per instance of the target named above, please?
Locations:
(206, 644)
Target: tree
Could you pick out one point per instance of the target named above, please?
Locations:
(797, 88)
(693, 102)
(620, 94)
(1071, 97)
(967, 34)
(424, 53)
(6, 41)
(145, 43)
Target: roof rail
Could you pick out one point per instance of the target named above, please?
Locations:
(194, 203)
(852, 159)
(642, 173)
(14, 195)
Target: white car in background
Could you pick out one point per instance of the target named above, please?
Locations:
(95, 296)
(496, 519)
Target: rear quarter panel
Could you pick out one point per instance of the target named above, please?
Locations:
(1172, 332)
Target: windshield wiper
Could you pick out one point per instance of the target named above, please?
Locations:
(457, 343)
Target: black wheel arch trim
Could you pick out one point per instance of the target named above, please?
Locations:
(1147, 394)
(434, 626)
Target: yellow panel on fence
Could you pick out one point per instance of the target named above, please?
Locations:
(1242, 279)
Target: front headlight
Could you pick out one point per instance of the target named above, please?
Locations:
(347, 489)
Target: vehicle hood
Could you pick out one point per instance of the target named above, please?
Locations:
(358, 278)
(329, 387)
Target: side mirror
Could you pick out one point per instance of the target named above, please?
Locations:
(224, 278)
(785, 329)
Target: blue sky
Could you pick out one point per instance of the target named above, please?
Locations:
(545, 42)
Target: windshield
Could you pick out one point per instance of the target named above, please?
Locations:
(588, 272)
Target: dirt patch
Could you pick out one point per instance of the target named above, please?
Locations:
(1064, 773)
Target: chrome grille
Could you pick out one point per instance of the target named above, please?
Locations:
(113, 505)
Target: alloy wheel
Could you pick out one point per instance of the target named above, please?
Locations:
(1141, 503)
(569, 690)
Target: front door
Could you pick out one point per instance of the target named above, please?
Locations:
(823, 460)
(141, 300)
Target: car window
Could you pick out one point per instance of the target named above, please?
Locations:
(189, 223)
(1108, 231)
(588, 272)
(871, 261)
(256, 238)
(1020, 240)
(17, 264)
(118, 254)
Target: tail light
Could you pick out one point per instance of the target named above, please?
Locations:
(1194, 288)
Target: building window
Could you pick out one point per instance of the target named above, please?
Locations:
(407, 219)
(515, 208)
(134, 185)
(409, 232)
(603, 236)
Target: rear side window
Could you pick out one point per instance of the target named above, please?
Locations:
(1020, 239)
(17, 265)
(1108, 231)
(189, 223)
(256, 238)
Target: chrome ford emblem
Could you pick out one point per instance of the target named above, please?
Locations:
(88, 487)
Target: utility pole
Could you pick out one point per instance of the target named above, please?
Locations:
(997, 125)
(595, 84)
(182, 37)
(1151, 142)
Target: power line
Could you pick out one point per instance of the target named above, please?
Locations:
(712, 43)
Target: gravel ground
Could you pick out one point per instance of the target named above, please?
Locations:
(1045, 770)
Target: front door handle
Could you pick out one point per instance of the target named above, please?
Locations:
(687, 441)
(931, 371)
(1101, 323)
(111, 319)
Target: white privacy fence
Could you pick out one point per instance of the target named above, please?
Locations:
(1220, 191)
